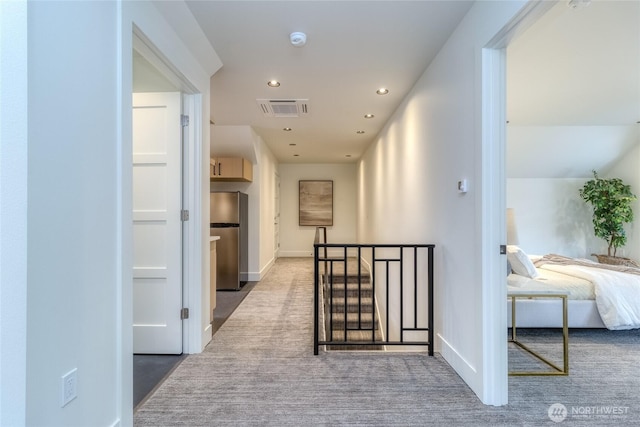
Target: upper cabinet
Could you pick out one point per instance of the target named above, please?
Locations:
(230, 169)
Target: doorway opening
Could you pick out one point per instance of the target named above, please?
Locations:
(165, 189)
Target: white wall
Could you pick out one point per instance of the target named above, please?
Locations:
(267, 168)
(13, 212)
(628, 169)
(566, 151)
(73, 217)
(296, 240)
(407, 188)
(551, 217)
(79, 241)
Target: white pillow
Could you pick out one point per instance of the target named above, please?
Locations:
(520, 262)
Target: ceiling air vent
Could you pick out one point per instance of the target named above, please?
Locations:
(283, 107)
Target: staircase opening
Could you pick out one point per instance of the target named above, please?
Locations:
(349, 305)
(372, 297)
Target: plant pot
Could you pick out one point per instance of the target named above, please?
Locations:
(616, 260)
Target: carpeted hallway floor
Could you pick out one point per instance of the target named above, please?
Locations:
(259, 369)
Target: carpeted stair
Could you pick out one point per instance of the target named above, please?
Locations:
(359, 304)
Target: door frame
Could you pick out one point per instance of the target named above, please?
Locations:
(192, 336)
(493, 203)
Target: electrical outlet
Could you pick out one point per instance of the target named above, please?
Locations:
(69, 387)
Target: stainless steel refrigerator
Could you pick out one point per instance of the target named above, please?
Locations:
(229, 217)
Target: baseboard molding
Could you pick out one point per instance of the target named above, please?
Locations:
(331, 252)
(467, 372)
(254, 276)
(296, 254)
(207, 334)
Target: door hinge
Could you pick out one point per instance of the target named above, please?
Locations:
(184, 120)
(503, 249)
(184, 215)
(184, 313)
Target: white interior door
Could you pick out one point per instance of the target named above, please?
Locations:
(157, 227)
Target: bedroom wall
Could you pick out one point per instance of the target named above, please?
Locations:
(628, 169)
(551, 217)
(407, 190)
(297, 241)
(563, 151)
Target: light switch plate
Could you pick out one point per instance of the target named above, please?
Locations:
(462, 186)
(69, 387)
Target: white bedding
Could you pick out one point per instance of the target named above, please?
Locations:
(617, 294)
(547, 279)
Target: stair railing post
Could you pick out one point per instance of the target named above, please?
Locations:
(430, 303)
(315, 300)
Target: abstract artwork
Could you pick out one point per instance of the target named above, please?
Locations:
(316, 203)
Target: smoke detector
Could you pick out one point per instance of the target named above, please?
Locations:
(298, 39)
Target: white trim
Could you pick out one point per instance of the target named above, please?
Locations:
(257, 276)
(14, 133)
(296, 254)
(124, 222)
(494, 358)
(494, 290)
(455, 359)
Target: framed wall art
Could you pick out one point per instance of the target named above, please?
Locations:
(316, 203)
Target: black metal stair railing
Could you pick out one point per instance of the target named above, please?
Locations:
(400, 295)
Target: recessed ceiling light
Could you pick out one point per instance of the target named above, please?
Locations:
(382, 91)
(359, 132)
(348, 155)
(368, 116)
(287, 129)
(273, 83)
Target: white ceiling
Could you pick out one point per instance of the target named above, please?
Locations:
(574, 67)
(573, 84)
(577, 67)
(353, 48)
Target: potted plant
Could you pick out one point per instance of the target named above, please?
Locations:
(611, 200)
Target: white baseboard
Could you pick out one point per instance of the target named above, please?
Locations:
(467, 372)
(254, 276)
(331, 252)
(207, 334)
(296, 254)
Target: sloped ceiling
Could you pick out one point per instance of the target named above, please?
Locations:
(573, 90)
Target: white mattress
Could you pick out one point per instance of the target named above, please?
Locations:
(551, 278)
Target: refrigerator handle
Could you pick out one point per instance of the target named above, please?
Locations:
(219, 168)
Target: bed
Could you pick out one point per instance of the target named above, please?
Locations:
(599, 295)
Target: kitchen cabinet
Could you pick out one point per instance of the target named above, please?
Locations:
(230, 169)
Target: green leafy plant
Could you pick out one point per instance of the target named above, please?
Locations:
(611, 200)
